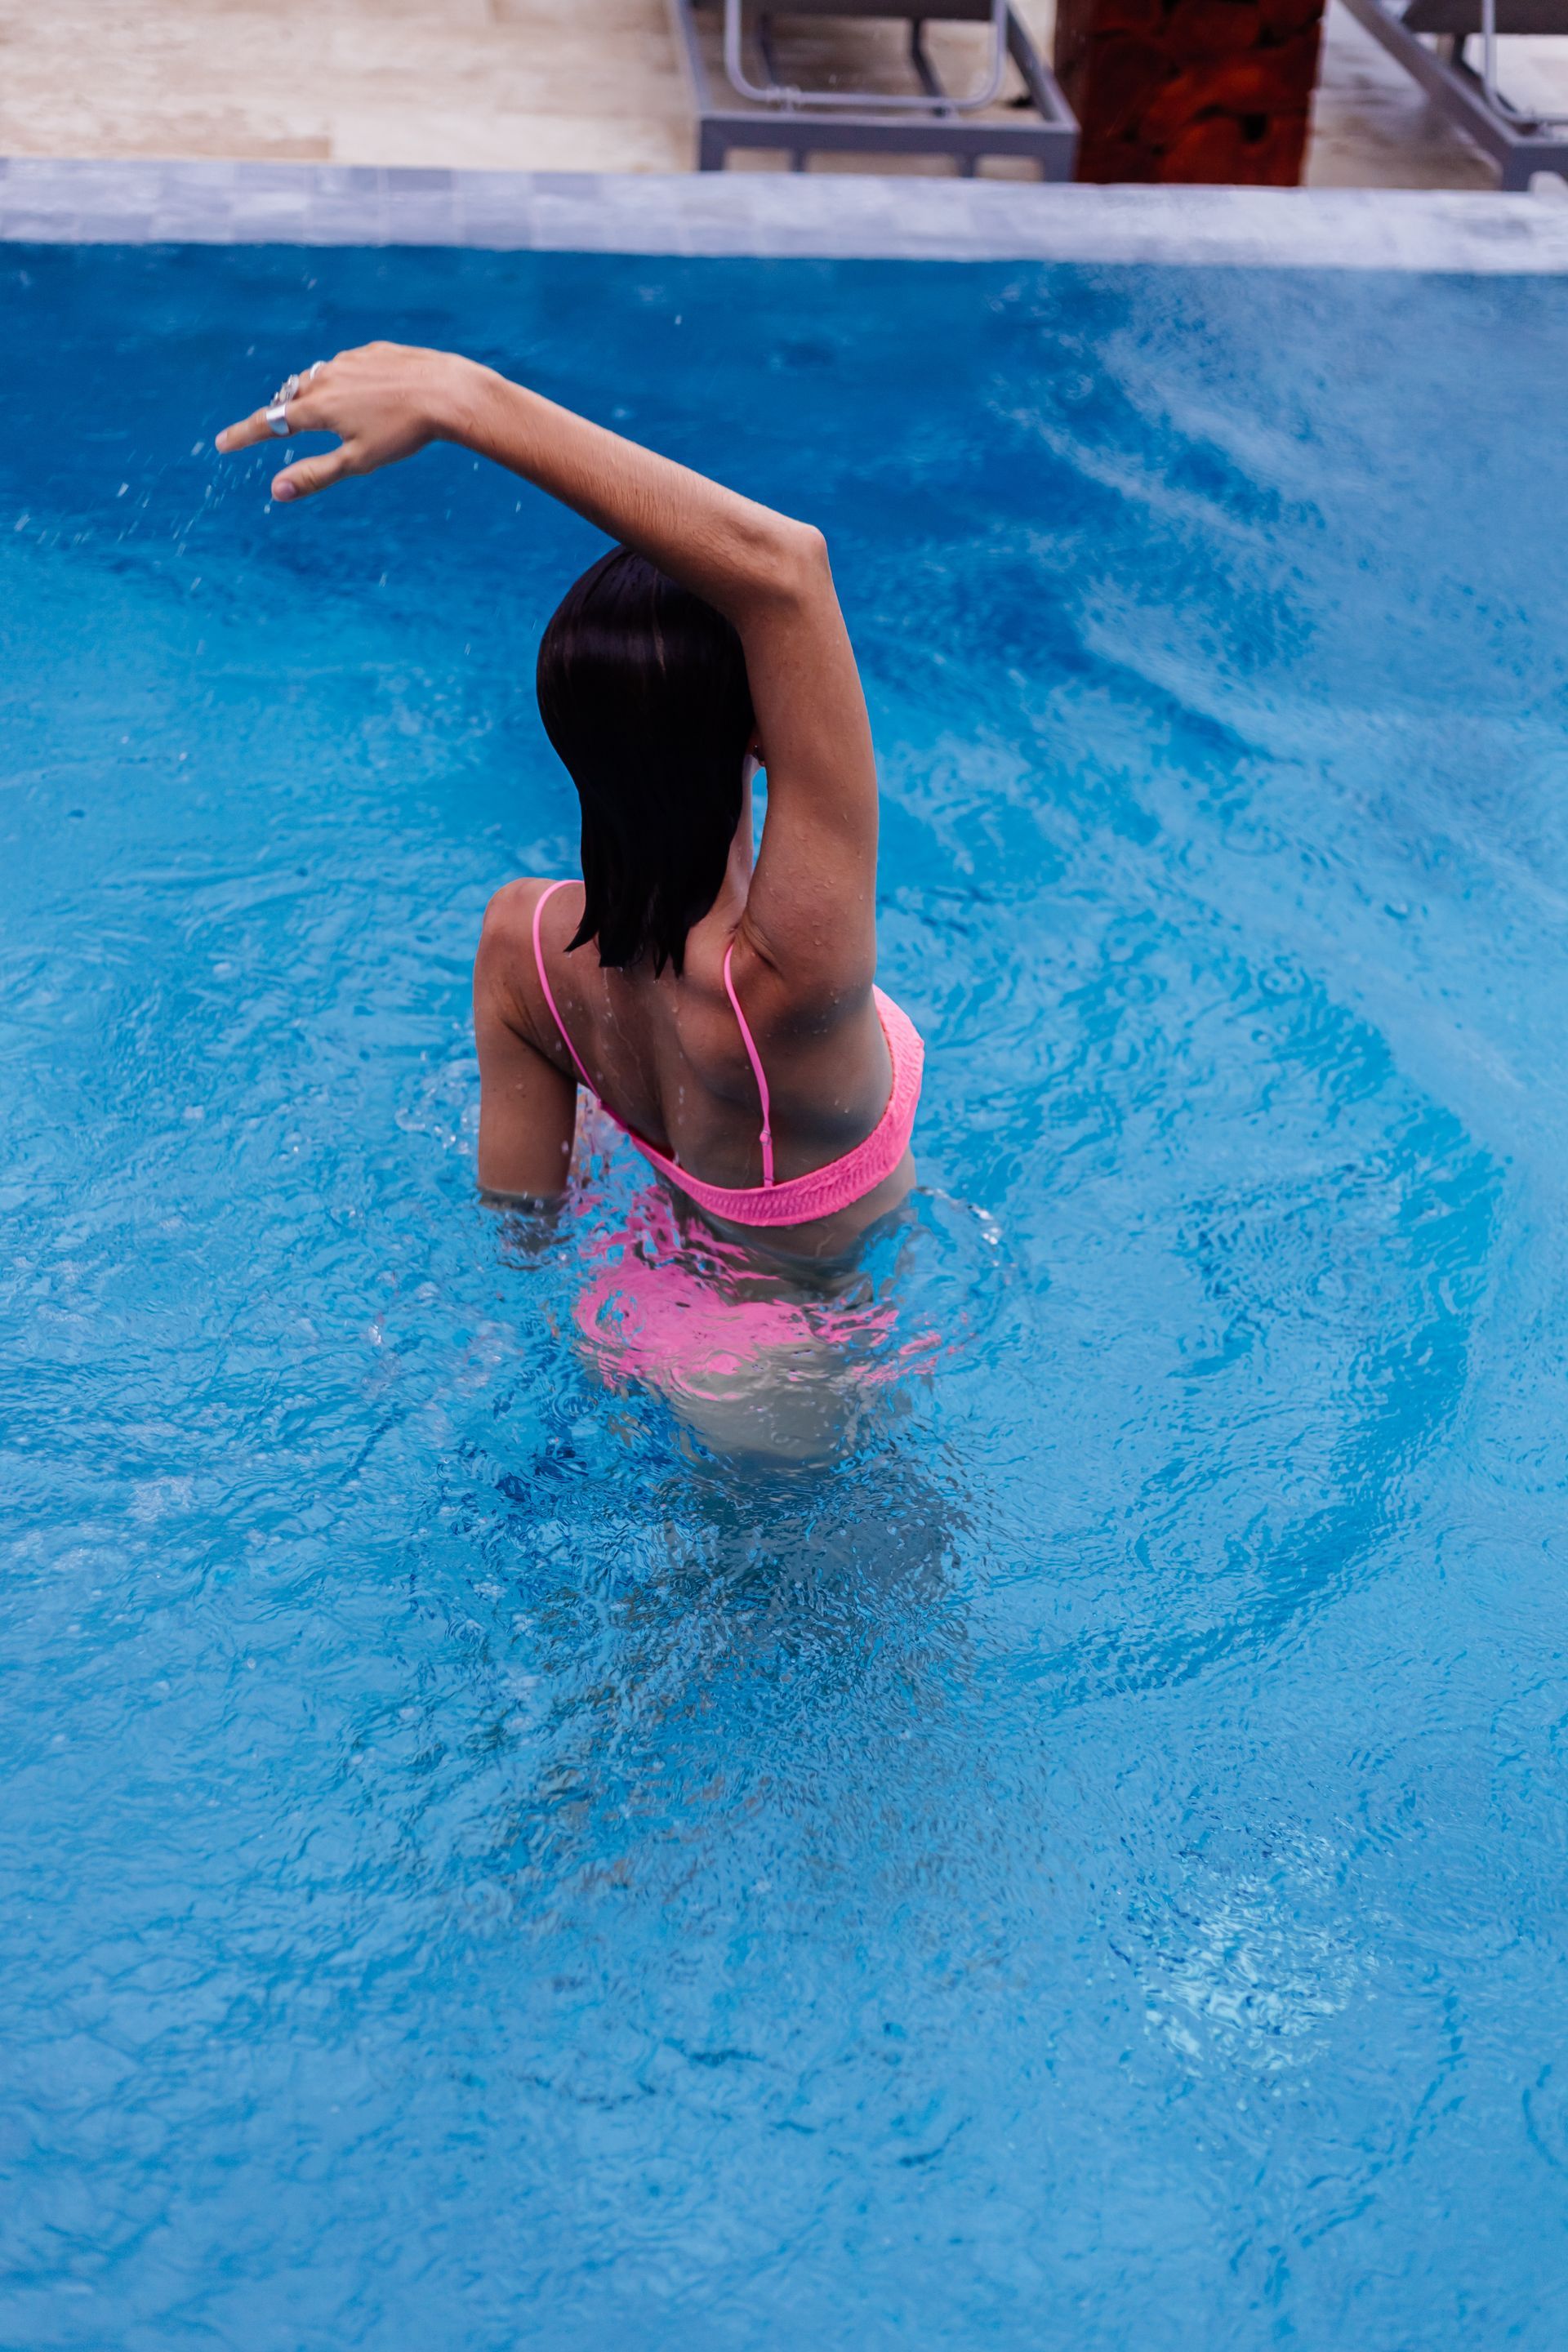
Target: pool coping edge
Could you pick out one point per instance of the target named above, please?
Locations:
(778, 215)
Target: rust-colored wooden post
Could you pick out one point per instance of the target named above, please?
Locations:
(1190, 89)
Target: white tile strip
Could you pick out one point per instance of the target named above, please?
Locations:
(846, 215)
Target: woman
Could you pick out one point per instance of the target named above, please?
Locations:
(729, 1021)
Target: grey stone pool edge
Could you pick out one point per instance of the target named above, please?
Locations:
(778, 215)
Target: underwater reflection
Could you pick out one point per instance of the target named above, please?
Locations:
(746, 1627)
(737, 1508)
(758, 1358)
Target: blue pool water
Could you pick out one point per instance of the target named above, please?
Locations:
(1088, 1869)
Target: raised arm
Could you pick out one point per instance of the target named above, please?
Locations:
(811, 914)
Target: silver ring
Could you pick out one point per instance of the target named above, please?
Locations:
(278, 407)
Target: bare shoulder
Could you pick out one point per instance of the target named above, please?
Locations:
(505, 972)
(509, 917)
(803, 994)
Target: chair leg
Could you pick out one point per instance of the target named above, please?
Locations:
(922, 62)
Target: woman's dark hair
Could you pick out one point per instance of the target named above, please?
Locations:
(643, 691)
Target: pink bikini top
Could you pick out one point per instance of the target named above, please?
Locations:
(799, 1198)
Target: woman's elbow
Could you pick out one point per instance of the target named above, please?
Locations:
(807, 557)
(791, 565)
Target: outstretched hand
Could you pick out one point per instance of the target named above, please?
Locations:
(383, 400)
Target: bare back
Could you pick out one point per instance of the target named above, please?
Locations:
(666, 1055)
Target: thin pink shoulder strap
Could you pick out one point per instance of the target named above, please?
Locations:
(756, 1060)
(549, 892)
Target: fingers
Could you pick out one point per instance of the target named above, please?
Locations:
(310, 410)
(249, 429)
(305, 414)
(312, 474)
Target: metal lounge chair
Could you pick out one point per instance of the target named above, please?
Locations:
(1518, 141)
(767, 110)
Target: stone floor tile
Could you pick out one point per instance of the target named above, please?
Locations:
(549, 85)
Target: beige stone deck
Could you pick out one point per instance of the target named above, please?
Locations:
(537, 85)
